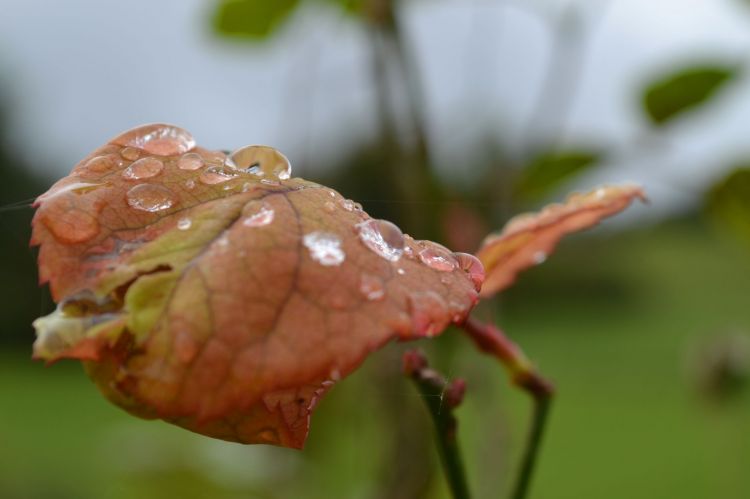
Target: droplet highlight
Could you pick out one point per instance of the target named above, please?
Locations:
(150, 197)
(325, 248)
(437, 257)
(184, 223)
(217, 175)
(371, 287)
(190, 161)
(383, 238)
(143, 168)
(257, 214)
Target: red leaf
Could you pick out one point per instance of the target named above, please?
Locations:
(221, 295)
(529, 239)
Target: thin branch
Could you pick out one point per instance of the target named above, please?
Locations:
(441, 398)
(492, 340)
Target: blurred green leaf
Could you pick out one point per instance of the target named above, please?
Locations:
(252, 19)
(552, 168)
(349, 6)
(728, 202)
(684, 90)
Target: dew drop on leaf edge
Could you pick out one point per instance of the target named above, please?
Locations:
(383, 238)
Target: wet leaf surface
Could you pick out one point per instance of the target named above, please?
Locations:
(220, 294)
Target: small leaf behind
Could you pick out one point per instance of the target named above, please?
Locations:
(551, 168)
(251, 19)
(528, 239)
(684, 90)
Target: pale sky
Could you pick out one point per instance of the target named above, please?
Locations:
(79, 72)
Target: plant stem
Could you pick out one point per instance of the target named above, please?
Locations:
(441, 398)
(492, 340)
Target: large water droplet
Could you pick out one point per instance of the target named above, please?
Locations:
(72, 226)
(217, 175)
(143, 168)
(438, 258)
(383, 238)
(262, 161)
(103, 164)
(371, 287)
(159, 139)
(325, 248)
(257, 214)
(190, 161)
(150, 197)
(473, 268)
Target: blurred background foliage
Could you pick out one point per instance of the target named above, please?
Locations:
(644, 326)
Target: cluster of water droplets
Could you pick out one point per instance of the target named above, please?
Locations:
(325, 248)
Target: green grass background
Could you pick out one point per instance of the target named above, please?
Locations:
(617, 321)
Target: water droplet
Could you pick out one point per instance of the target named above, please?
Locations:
(72, 226)
(184, 223)
(159, 139)
(262, 161)
(143, 168)
(438, 258)
(217, 175)
(103, 164)
(472, 266)
(329, 206)
(325, 248)
(539, 257)
(371, 287)
(428, 313)
(400, 271)
(130, 153)
(257, 214)
(347, 204)
(150, 197)
(190, 184)
(332, 194)
(383, 238)
(190, 161)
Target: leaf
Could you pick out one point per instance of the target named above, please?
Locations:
(220, 294)
(551, 168)
(253, 19)
(728, 202)
(684, 90)
(527, 240)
